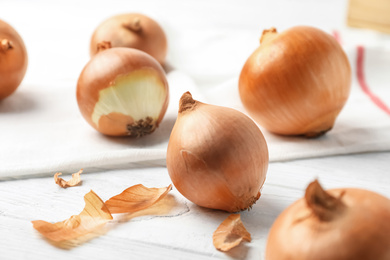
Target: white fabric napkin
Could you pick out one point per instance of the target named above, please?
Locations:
(361, 126)
(42, 131)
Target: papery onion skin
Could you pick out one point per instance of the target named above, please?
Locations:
(217, 157)
(296, 82)
(358, 229)
(132, 30)
(129, 69)
(13, 59)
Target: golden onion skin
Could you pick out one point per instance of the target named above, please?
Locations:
(217, 157)
(360, 231)
(117, 92)
(132, 30)
(13, 59)
(296, 82)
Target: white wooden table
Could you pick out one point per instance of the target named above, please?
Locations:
(185, 230)
(180, 230)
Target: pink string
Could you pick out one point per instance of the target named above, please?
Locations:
(362, 82)
(337, 36)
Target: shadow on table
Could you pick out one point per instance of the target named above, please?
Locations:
(18, 102)
(239, 252)
(73, 243)
(159, 136)
(167, 207)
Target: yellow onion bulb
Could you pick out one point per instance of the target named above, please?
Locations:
(296, 82)
(13, 59)
(217, 157)
(132, 30)
(123, 92)
(336, 224)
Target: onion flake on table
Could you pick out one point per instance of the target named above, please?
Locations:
(96, 213)
(230, 233)
(74, 181)
(135, 198)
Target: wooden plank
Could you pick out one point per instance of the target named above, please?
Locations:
(371, 14)
(184, 230)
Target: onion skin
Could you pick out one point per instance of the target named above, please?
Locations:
(217, 157)
(354, 224)
(13, 60)
(132, 30)
(296, 82)
(129, 69)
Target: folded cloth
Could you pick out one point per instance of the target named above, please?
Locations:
(362, 126)
(43, 132)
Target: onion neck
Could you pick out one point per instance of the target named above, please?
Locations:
(104, 45)
(268, 35)
(323, 205)
(6, 45)
(134, 25)
(187, 103)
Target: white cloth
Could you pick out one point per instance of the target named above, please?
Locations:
(42, 131)
(45, 132)
(360, 127)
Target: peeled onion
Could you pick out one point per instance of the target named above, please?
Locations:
(338, 224)
(217, 157)
(123, 92)
(296, 82)
(131, 30)
(13, 60)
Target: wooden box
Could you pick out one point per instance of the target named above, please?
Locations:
(371, 14)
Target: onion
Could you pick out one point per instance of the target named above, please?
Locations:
(13, 60)
(296, 82)
(123, 92)
(133, 31)
(337, 224)
(217, 157)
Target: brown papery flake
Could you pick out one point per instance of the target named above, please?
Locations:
(76, 180)
(230, 233)
(135, 198)
(94, 215)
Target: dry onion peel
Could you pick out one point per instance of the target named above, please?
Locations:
(336, 224)
(230, 233)
(74, 181)
(296, 82)
(136, 198)
(94, 215)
